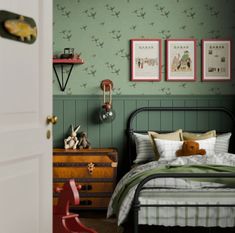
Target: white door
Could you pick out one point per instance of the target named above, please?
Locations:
(25, 102)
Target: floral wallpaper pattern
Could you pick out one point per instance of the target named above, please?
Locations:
(100, 31)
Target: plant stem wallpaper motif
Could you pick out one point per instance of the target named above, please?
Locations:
(100, 30)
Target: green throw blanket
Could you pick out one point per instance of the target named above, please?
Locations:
(135, 179)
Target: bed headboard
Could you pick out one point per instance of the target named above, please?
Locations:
(214, 111)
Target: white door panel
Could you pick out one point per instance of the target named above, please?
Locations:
(25, 103)
(27, 188)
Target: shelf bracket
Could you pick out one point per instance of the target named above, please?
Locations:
(61, 82)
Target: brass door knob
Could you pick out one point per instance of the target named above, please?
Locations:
(52, 119)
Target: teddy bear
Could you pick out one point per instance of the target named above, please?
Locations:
(83, 142)
(190, 148)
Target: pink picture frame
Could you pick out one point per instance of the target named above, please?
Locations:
(145, 60)
(216, 60)
(181, 60)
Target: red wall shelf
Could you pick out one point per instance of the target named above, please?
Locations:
(67, 61)
(62, 62)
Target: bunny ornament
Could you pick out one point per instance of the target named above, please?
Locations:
(72, 141)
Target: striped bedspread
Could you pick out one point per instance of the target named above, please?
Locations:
(179, 191)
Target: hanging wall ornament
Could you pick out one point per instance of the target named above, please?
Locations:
(17, 27)
(107, 113)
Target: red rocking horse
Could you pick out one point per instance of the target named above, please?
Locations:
(63, 220)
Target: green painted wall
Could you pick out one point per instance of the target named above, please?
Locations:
(101, 30)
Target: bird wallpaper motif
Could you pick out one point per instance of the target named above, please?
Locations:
(100, 31)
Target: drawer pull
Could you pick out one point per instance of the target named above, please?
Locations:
(85, 202)
(60, 189)
(114, 164)
(86, 187)
(90, 167)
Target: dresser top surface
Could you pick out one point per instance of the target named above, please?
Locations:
(93, 150)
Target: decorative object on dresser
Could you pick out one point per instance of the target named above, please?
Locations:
(83, 142)
(94, 169)
(72, 141)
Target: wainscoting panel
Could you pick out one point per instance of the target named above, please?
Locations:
(83, 110)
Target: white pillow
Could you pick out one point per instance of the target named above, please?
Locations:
(144, 149)
(208, 144)
(222, 143)
(167, 149)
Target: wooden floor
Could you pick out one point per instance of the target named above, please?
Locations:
(98, 221)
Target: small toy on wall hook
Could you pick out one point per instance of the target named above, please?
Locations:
(20, 28)
(72, 141)
(17, 27)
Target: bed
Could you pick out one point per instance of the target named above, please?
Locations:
(192, 191)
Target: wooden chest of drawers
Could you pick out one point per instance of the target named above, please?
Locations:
(94, 169)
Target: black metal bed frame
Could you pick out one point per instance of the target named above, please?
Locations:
(131, 151)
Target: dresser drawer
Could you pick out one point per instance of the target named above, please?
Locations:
(90, 202)
(89, 187)
(83, 172)
(94, 169)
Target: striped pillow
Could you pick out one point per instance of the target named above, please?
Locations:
(144, 149)
(222, 143)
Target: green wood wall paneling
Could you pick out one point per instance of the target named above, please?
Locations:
(155, 117)
(178, 117)
(119, 124)
(215, 118)
(106, 133)
(202, 117)
(69, 115)
(191, 117)
(166, 117)
(82, 114)
(142, 118)
(93, 125)
(58, 129)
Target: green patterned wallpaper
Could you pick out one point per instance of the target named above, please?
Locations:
(101, 31)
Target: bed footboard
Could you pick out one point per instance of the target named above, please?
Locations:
(137, 205)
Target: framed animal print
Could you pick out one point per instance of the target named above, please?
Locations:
(216, 60)
(181, 60)
(145, 60)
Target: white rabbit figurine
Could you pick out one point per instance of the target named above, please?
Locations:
(72, 141)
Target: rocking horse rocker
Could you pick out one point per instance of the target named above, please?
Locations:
(63, 220)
